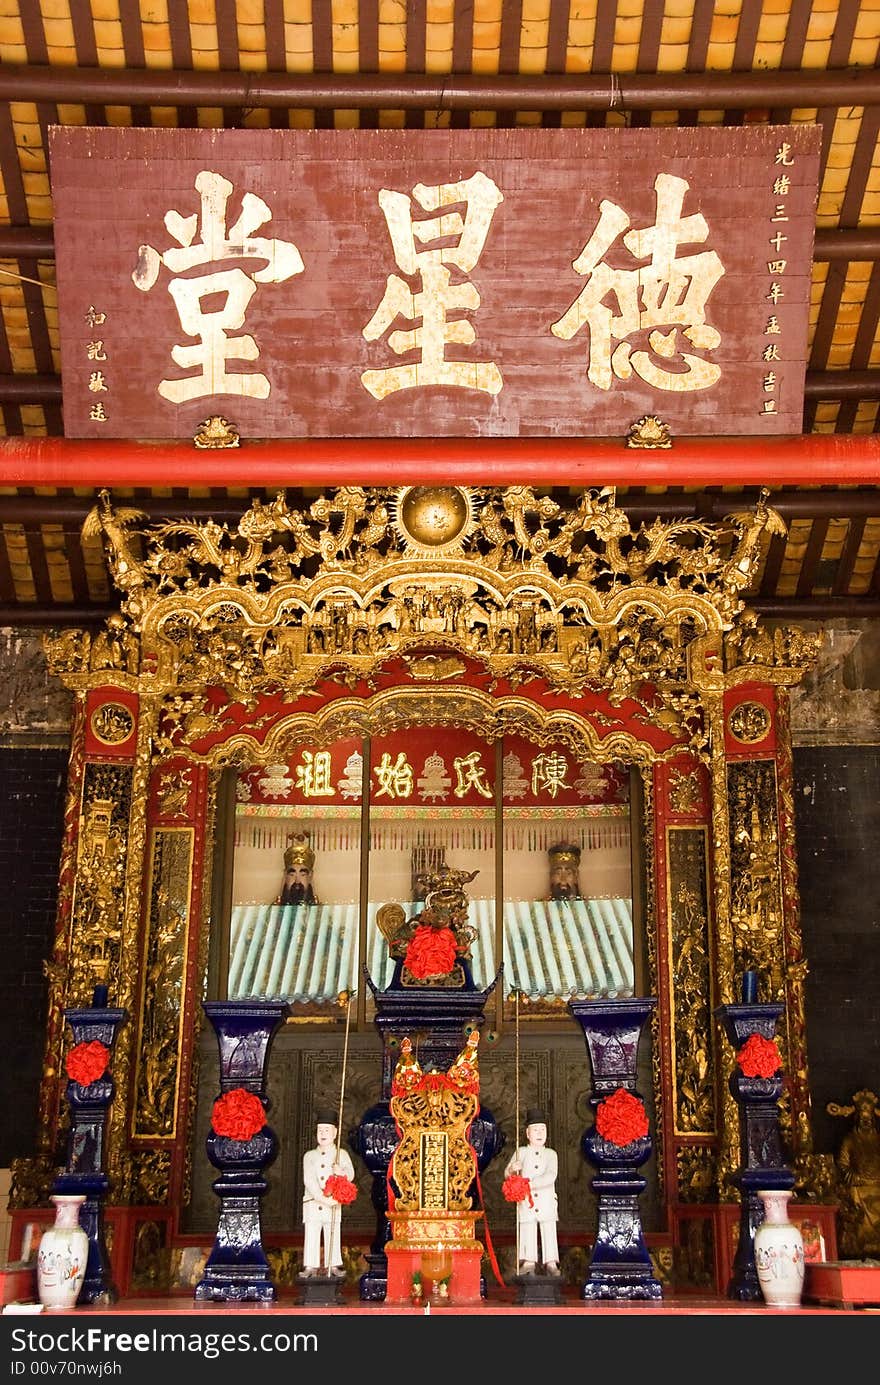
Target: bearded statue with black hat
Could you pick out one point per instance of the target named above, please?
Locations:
(565, 861)
(537, 1213)
(322, 1215)
(299, 862)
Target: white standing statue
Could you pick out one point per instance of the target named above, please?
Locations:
(322, 1216)
(537, 1213)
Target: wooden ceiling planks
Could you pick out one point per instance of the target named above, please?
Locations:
(561, 38)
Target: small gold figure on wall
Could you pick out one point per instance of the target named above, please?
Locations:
(858, 1166)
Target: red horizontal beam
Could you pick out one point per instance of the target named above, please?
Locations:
(813, 459)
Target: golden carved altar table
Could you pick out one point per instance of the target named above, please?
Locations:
(432, 1168)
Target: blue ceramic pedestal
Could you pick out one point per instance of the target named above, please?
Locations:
(761, 1159)
(237, 1269)
(84, 1173)
(620, 1266)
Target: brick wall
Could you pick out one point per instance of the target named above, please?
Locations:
(837, 819)
(31, 822)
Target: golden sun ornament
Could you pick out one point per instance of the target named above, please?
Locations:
(433, 521)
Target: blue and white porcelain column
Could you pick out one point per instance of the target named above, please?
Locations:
(95, 1026)
(237, 1269)
(620, 1265)
(762, 1164)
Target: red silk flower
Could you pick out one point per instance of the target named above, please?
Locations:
(432, 951)
(238, 1114)
(516, 1189)
(340, 1188)
(759, 1057)
(621, 1118)
(87, 1062)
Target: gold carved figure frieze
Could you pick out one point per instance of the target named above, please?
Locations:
(690, 971)
(99, 891)
(573, 592)
(751, 643)
(159, 1037)
(756, 885)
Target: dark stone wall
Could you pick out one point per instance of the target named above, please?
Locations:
(837, 819)
(31, 826)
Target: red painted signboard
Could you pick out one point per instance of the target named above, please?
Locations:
(473, 283)
(422, 767)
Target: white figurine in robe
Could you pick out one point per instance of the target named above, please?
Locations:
(322, 1216)
(538, 1215)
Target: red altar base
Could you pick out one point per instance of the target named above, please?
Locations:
(424, 1233)
(843, 1283)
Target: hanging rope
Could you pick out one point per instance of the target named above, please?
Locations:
(337, 1210)
(516, 1138)
(350, 998)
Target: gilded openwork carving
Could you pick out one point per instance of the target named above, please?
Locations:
(691, 979)
(100, 878)
(511, 577)
(112, 723)
(164, 953)
(749, 722)
(756, 904)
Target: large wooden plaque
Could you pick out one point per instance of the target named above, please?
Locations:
(380, 283)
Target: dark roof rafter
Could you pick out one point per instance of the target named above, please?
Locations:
(411, 91)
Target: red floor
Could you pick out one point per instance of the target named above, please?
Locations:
(499, 1303)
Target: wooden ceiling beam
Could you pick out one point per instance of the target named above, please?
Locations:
(27, 242)
(451, 91)
(842, 384)
(30, 389)
(818, 384)
(864, 503)
(38, 242)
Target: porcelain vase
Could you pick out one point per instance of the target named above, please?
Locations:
(62, 1255)
(779, 1252)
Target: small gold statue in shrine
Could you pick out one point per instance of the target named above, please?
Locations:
(433, 948)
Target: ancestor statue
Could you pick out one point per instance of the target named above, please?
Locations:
(858, 1166)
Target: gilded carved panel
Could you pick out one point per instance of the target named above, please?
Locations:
(756, 885)
(690, 973)
(99, 886)
(164, 960)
